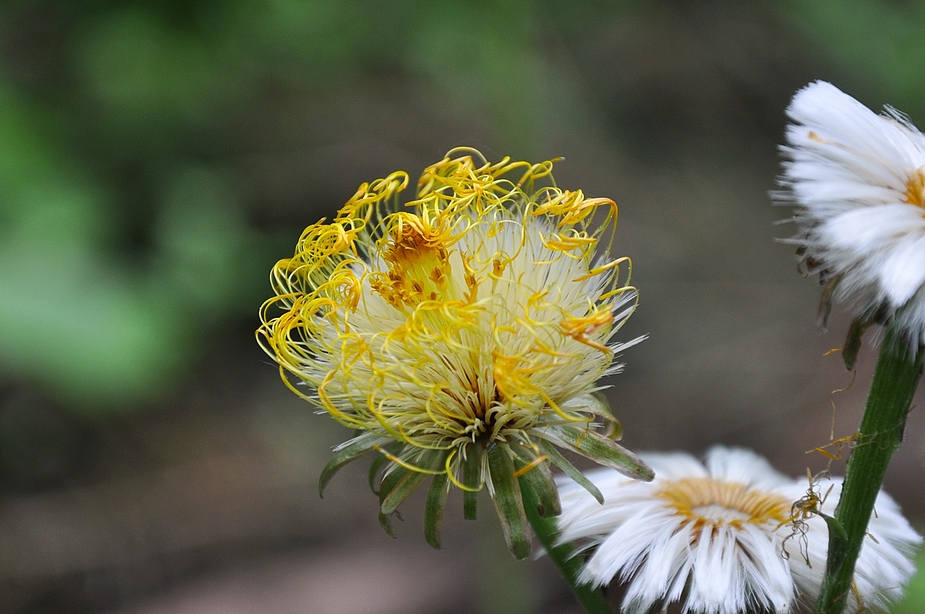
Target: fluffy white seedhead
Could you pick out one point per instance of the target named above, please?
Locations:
(723, 537)
(858, 182)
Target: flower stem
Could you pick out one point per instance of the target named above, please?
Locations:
(897, 374)
(592, 599)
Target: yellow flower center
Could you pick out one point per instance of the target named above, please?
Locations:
(714, 502)
(418, 263)
(915, 189)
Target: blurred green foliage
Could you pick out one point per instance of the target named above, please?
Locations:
(914, 602)
(126, 230)
(878, 46)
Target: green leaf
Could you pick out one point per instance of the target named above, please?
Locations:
(350, 452)
(508, 501)
(472, 479)
(556, 458)
(601, 450)
(540, 479)
(434, 508)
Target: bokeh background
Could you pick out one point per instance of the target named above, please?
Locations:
(157, 157)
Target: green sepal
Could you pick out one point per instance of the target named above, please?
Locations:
(398, 484)
(540, 479)
(601, 450)
(374, 468)
(556, 458)
(509, 502)
(385, 521)
(825, 301)
(471, 478)
(392, 477)
(853, 342)
(401, 489)
(350, 452)
(389, 482)
(596, 403)
(434, 508)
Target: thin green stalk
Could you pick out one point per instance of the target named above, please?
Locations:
(569, 565)
(897, 374)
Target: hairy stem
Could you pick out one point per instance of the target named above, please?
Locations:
(592, 599)
(897, 374)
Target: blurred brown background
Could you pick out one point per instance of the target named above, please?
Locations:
(157, 157)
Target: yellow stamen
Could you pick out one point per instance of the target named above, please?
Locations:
(915, 189)
(714, 502)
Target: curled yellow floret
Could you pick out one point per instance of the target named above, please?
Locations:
(460, 333)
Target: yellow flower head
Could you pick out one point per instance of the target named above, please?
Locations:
(461, 335)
